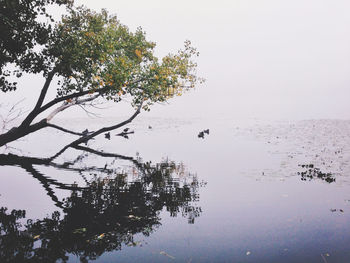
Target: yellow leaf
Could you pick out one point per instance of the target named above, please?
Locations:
(138, 53)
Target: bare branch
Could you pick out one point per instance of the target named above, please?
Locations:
(68, 97)
(77, 95)
(66, 105)
(12, 114)
(89, 113)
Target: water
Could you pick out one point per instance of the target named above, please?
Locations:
(249, 191)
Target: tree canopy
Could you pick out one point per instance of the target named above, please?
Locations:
(91, 55)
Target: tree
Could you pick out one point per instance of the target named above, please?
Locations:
(91, 55)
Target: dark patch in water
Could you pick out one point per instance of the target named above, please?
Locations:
(312, 172)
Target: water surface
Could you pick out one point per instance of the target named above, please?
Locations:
(249, 191)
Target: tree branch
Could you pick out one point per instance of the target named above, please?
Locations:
(19, 132)
(26, 128)
(68, 97)
(77, 95)
(98, 132)
(35, 112)
(63, 129)
(66, 105)
(107, 129)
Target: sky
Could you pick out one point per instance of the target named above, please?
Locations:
(261, 58)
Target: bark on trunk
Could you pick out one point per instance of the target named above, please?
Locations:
(19, 132)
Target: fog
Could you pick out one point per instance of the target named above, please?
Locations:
(260, 58)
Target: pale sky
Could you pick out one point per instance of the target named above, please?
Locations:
(261, 58)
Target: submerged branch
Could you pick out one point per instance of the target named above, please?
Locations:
(64, 130)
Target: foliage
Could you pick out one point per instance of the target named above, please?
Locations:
(93, 51)
(91, 55)
(21, 31)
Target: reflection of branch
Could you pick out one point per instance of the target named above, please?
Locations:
(104, 154)
(45, 182)
(25, 162)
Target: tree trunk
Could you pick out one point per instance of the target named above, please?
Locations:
(19, 132)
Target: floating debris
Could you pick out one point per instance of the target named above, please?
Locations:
(166, 254)
(312, 172)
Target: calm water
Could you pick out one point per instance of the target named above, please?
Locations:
(249, 191)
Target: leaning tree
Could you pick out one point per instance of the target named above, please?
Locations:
(91, 56)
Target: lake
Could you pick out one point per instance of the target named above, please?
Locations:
(248, 191)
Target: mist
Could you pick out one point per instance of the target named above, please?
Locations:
(261, 59)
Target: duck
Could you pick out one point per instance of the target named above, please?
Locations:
(201, 135)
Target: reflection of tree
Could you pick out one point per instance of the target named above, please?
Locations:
(101, 216)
